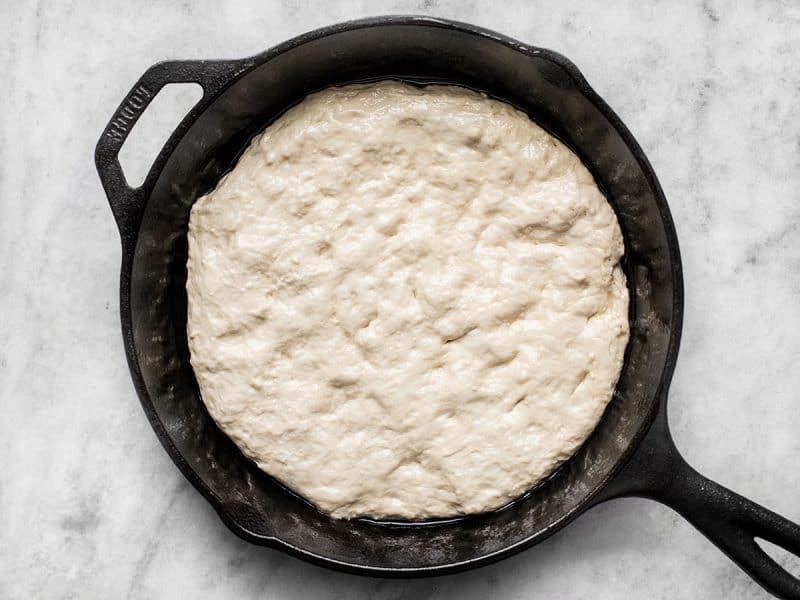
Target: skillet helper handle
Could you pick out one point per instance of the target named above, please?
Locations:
(732, 522)
(127, 203)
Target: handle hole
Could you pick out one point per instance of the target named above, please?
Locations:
(154, 127)
(786, 559)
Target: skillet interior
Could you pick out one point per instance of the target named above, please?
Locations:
(554, 94)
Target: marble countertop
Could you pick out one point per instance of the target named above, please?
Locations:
(90, 504)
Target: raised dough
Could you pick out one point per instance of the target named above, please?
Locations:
(406, 302)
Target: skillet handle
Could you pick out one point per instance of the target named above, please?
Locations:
(732, 522)
(127, 203)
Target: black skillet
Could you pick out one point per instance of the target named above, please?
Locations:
(630, 453)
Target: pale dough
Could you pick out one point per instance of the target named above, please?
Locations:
(406, 302)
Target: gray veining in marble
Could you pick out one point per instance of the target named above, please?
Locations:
(90, 505)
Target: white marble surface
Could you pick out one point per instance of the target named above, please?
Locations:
(90, 505)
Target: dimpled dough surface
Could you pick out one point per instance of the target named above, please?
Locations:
(406, 302)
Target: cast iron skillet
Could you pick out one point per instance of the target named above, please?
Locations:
(630, 453)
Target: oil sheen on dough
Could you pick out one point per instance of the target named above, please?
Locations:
(406, 302)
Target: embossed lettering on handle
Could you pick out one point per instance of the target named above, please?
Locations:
(131, 109)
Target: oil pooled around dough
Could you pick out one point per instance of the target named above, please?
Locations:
(406, 302)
